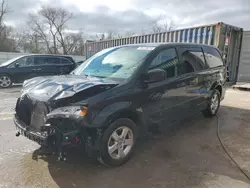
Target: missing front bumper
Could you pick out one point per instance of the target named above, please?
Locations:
(23, 129)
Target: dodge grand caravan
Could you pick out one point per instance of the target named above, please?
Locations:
(105, 104)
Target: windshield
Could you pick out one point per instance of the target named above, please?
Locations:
(118, 62)
(10, 61)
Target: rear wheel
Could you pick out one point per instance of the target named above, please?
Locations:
(5, 81)
(118, 142)
(213, 104)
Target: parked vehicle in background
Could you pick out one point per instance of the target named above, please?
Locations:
(79, 63)
(105, 104)
(28, 66)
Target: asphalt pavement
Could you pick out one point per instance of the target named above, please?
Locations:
(188, 156)
(8, 99)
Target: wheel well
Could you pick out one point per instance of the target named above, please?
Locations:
(219, 88)
(127, 114)
(6, 74)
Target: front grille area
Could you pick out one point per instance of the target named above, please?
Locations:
(38, 117)
(32, 113)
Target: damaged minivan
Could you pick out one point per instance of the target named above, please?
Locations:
(117, 95)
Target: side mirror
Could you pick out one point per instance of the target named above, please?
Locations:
(156, 75)
(16, 64)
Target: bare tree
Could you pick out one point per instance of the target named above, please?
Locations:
(51, 26)
(165, 27)
(129, 34)
(156, 28)
(40, 28)
(73, 43)
(29, 41)
(49, 17)
(168, 26)
(7, 43)
(110, 34)
(102, 37)
(3, 12)
(99, 37)
(61, 18)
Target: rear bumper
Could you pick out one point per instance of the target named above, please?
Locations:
(23, 129)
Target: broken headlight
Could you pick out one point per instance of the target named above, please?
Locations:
(69, 110)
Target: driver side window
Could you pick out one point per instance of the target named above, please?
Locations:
(166, 60)
(24, 62)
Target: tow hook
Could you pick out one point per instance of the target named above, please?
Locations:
(17, 133)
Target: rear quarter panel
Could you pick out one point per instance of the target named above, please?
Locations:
(217, 78)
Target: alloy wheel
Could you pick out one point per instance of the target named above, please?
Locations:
(5, 81)
(120, 142)
(214, 103)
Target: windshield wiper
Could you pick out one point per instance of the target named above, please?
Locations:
(98, 76)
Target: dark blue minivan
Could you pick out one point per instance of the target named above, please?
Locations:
(25, 67)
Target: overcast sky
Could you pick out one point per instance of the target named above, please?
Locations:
(134, 15)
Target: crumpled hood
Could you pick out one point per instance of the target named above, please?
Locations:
(48, 87)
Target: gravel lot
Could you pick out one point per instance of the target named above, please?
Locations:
(188, 156)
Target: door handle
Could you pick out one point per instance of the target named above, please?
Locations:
(38, 69)
(33, 69)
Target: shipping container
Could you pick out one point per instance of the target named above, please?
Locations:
(244, 64)
(225, 37)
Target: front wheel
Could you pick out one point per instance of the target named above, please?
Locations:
(5, 81)
(213, 104)
(118, 142)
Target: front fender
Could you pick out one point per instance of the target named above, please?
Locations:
(109, 113)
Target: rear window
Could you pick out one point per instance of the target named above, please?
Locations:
(213, 57)
(192, 59)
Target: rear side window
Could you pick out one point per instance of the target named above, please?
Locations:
(53, 60)
(166, 60)
(192, 59)
(213, 57)
(40, 61)
(64, 61)
(44, 60)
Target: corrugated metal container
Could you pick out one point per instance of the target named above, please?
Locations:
(244, 65)
(226, 37)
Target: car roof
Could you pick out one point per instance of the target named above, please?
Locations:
(56, 55)
(52, 55)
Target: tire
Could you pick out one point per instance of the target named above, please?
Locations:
(5, 81)
(213, 104)
(119, 156)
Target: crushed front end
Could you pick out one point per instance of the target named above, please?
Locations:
(54, 129)
(52, 111)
